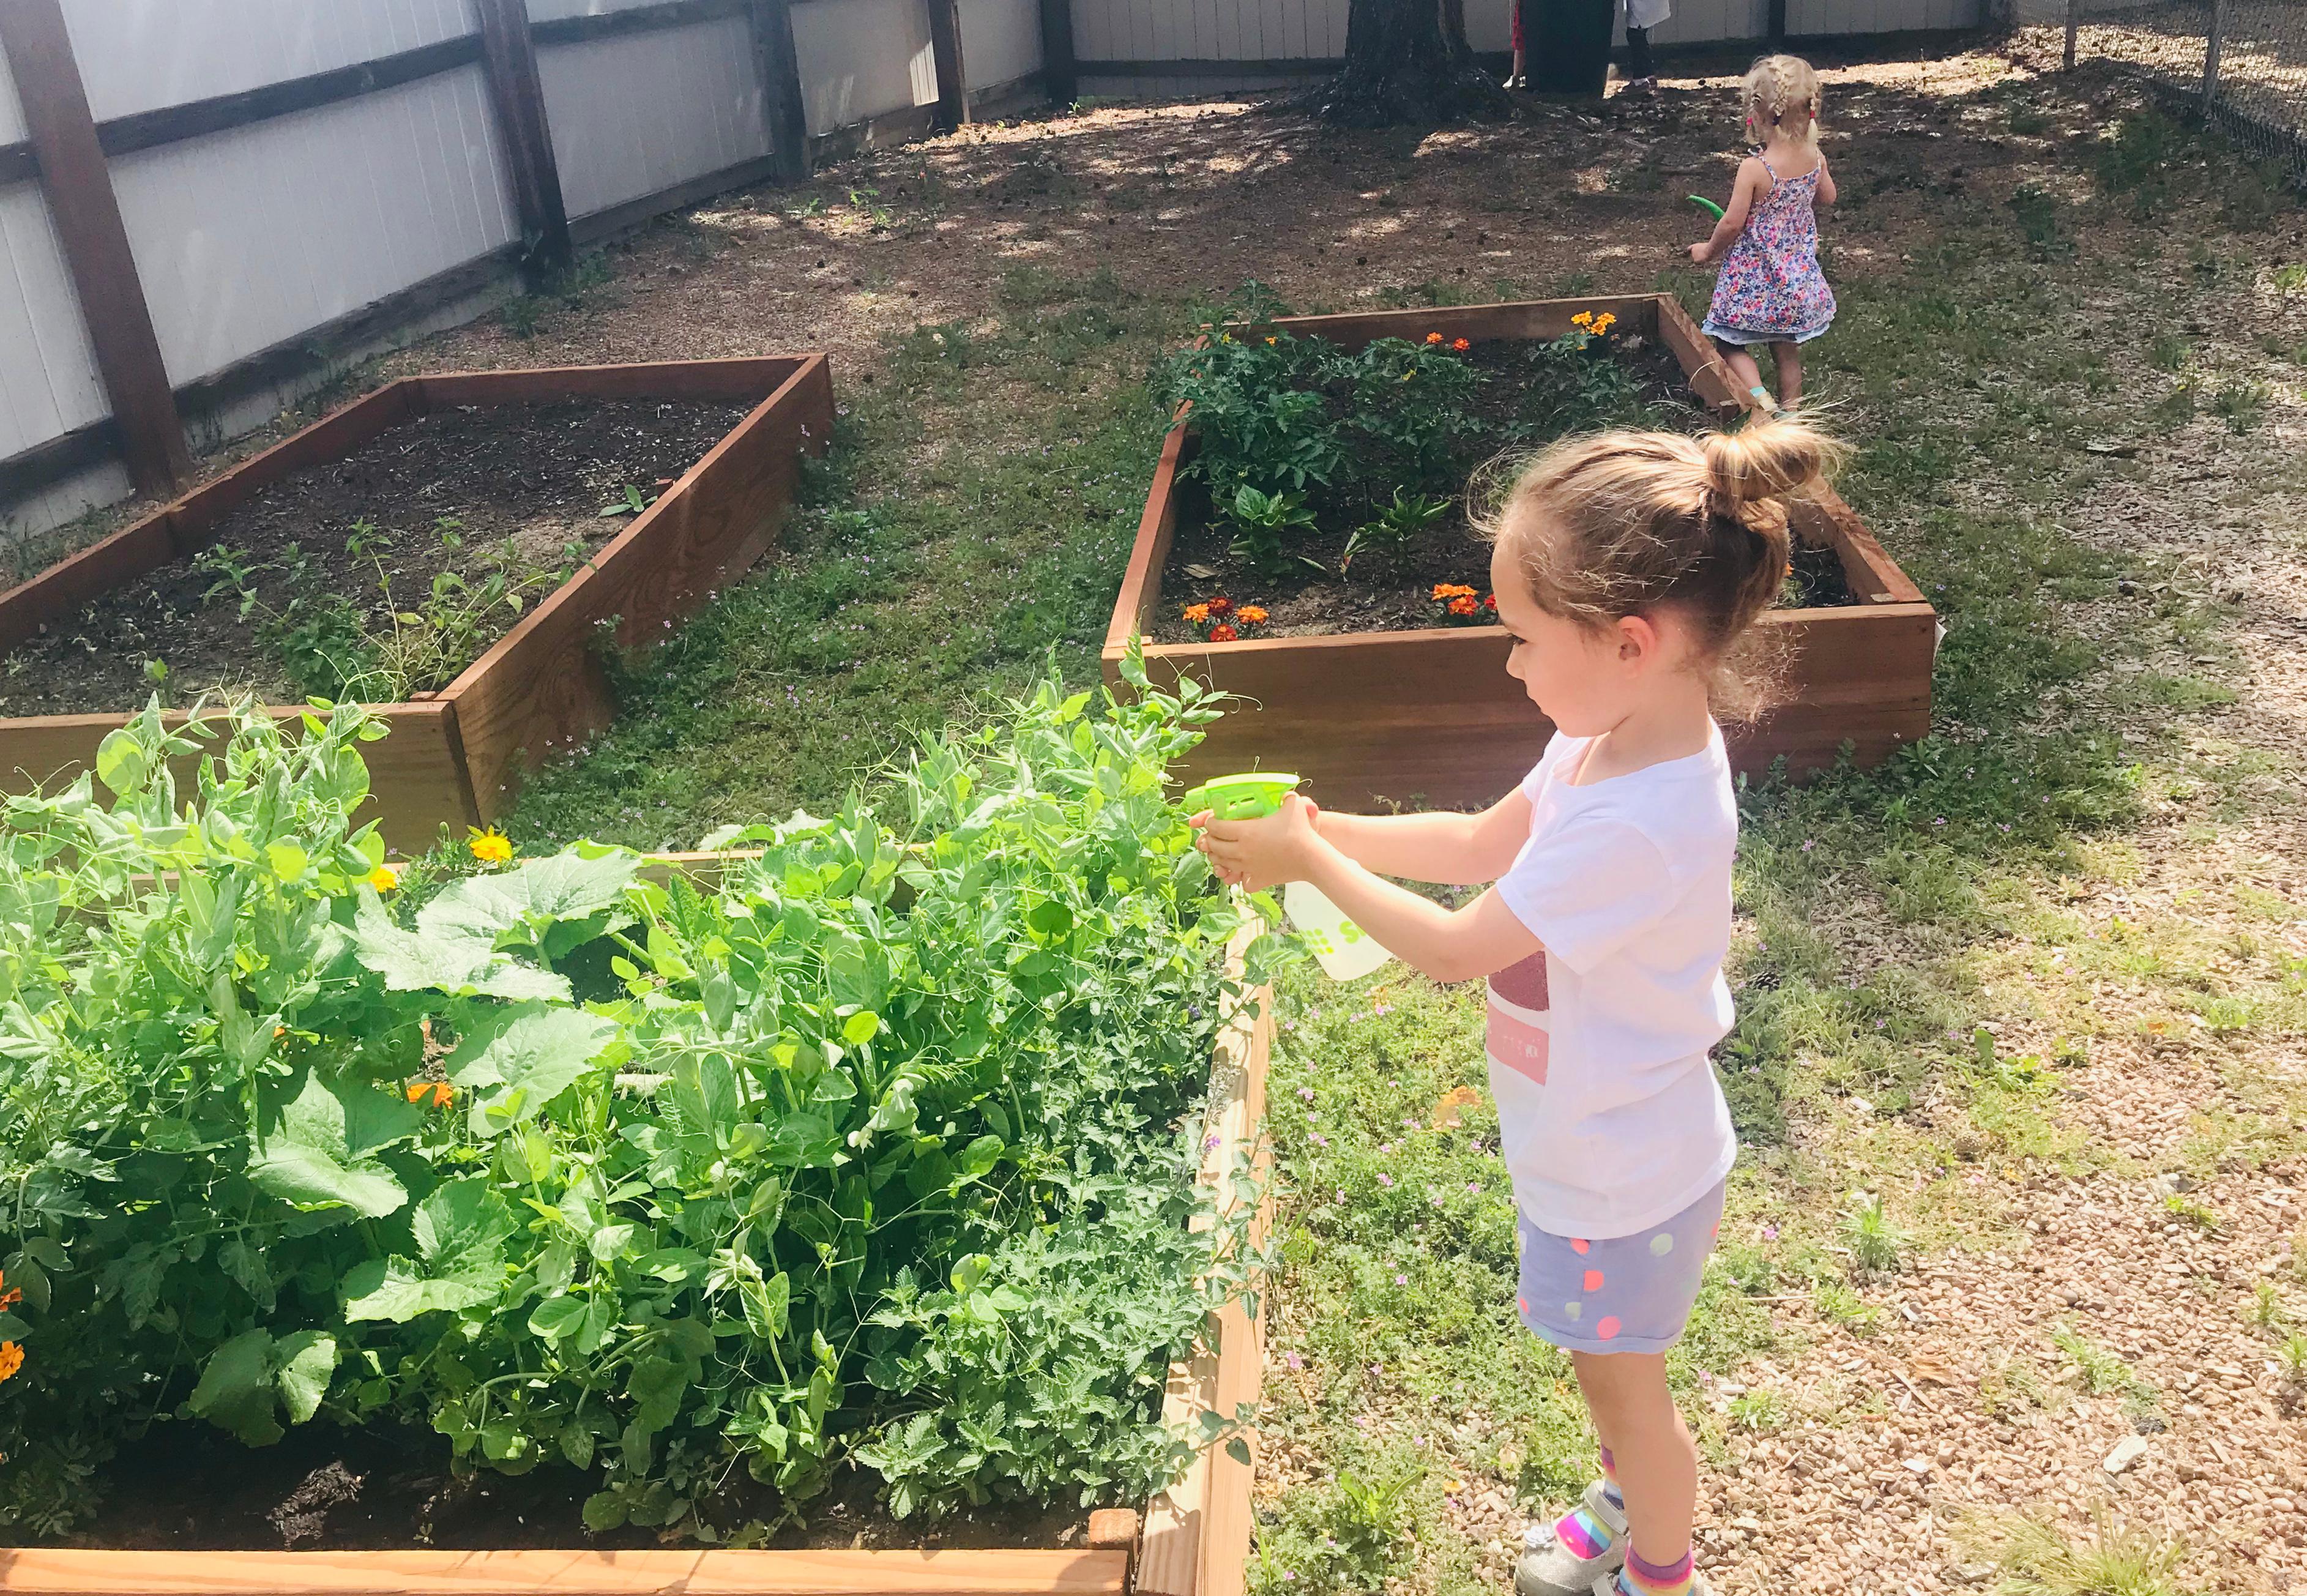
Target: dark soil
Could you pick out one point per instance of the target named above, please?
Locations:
(538, 474)
(191, 1487)
(1394, 591)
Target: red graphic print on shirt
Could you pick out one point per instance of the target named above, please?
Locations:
(1517, 1034)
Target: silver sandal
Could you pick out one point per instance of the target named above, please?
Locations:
(1547, 1567)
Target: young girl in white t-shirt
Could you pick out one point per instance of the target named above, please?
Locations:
(1627, 567)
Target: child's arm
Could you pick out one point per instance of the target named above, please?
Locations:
(1825, 182)
(1448, 849)
(1448, 945)
(1742, 193)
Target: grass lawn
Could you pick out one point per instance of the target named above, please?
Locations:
(2021, 1060)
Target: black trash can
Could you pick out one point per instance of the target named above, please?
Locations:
(1567, 44)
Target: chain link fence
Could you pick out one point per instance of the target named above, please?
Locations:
(2242, 64)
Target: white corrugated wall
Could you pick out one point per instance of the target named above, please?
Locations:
(1000, 41)
(639, 113)
(862, 59)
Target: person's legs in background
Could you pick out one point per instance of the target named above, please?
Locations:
(1639, 74)
(1516, 77)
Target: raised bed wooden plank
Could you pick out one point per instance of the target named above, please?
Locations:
(59, 591)
(1141, 583)
(1525, 319)
(1710, 378)
(1197, 1537)
(736, 378)
(73, 1572)
(542, 683)
(416, 775)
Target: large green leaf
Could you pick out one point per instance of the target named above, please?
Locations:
(396, 1290)
(462, 1224)
(528, 1056)
(250, 1379)
(314, 1149)
(531, 894)
(461, 966)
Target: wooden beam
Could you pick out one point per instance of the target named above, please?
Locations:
(637, 19)
(73, 1572)
(169, 125)
(79, 188)
(952, 75)
(509, 54)
(1057, 63)
(783, 107)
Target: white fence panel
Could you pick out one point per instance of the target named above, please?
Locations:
(140, 55)
(12, 111)
(248, 239)
(49, 381)
(635, 113)
(1000, 40)
(860, 58)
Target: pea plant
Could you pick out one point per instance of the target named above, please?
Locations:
(881, 1148)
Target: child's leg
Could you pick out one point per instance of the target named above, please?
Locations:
(1657, 1467)
(1790, 374)
(1742, 366)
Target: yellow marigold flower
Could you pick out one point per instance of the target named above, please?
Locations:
(1604, 323)
(1407, 376)
(491, 846)
(382, 877)
(1582, 319)
(1271, 341)
(12, 1359)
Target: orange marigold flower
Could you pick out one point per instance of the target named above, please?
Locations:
(1464, 604)
(1443, 590)
(1197, 613)
(438, 1094)
(1432, 338)
(1252, 615)
(10, 1298)
(12, 1359)
(491, 846)
(1222, 633)
(1222, 605)
(1461, 344)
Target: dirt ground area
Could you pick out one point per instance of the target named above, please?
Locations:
(2155, 1218)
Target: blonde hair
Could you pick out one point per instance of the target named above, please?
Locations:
(1782, 92)
(1623, 523)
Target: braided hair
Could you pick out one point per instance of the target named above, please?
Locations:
(1781, 94)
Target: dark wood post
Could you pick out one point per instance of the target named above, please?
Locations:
(79, 188)
(1059, 79)
(782, 105)
(509, 59)
(2074, 21)
(1777, 21)
(952, 75)
(2211, 57)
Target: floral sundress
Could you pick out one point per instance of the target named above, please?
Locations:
(1770, 290)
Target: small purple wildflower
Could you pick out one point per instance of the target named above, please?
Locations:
(1385, 1180)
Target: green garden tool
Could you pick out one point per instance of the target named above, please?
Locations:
(1705, 205)
(1241, 797)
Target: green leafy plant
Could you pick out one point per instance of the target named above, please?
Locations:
(638, 1176)
(1399, 523)
(1877, 1244)
(1265, 525)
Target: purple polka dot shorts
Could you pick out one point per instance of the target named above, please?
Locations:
(1628, 1294)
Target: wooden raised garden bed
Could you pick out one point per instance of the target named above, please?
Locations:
(1193, 1540)
(1398, 717)
(456, 756)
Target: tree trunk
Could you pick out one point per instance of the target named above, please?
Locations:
(1407, 61)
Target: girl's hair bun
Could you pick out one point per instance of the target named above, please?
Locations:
(1767, 461)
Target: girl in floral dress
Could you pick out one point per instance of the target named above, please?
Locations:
(1770, 290)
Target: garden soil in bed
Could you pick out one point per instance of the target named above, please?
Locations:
(538, 474)
(1394, 591)
(190, 1488)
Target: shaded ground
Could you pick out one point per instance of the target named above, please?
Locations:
(2040, 991)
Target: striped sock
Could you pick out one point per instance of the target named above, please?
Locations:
(1581, 1534)
(1643, 1577)
(1610, 1481)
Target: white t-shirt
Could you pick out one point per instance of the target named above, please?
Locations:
(1609, 1116)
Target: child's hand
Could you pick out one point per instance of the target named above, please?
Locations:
(1701, 251)
(1263, 853)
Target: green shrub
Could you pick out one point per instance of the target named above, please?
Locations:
(582, 1170)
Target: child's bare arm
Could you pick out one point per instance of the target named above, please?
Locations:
(1726, 232)
(1825, 182)
(1448, 849)
(1443, 944)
